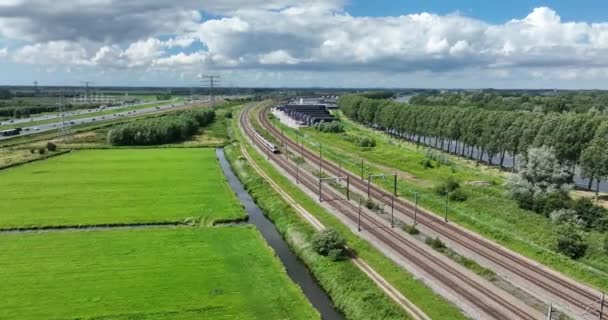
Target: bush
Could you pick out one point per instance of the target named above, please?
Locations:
(32, 150)
(366, 142)
(51, 146)
(329, 127)
(570, 243)
(435, 243)
(591, 216)
(411, 230)
(329, 243)
(458, 195)
(427, 164)
(448, 185)
(41, 150)
(605, 244)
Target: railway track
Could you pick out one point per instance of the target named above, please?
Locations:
(584, 299)
(490, 301)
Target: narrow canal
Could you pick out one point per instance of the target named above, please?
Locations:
(296, 269)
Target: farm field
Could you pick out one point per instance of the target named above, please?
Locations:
(488, 210)
(154, 273)
(92, 187)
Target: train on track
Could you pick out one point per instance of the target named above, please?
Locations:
(267, 144)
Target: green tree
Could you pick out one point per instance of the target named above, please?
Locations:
(571, 243)
(594, 159)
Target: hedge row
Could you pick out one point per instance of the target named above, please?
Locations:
(167, 129)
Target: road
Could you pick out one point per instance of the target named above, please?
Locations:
(576, 299)
(481, 299)
(29, 130)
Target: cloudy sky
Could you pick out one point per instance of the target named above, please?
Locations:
(287, 43)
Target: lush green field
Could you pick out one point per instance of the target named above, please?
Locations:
(352, 291)
(182, 273)
(117, 186)
(488, 210)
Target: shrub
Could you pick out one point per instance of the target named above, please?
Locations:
(591, 216)
(41, 150)
(329, 127)
(32, 150)
(51, 146)
(411, 230)
(605, 244)
(366, 142)
(458, 195)
(448, 185)
(435, 243)
(329, 243)
(570, 243)
(427, 164)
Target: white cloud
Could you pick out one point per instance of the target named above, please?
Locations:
(3, 52)
(288, 36)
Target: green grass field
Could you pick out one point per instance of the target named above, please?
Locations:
(488, 210)
(117, 186)
(183, 273)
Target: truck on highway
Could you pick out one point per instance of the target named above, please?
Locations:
(10, 132)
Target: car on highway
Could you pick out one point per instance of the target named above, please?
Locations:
(35, 128)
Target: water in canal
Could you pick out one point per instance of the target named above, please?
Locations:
(297, 271)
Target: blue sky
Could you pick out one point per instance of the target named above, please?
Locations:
(488, 10)
(294, 43)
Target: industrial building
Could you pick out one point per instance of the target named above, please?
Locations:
(307, 114)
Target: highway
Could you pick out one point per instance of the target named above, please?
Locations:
(29, 130)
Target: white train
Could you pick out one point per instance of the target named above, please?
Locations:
(269, 146)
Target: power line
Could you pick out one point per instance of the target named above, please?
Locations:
(64, 126)
(210, 81)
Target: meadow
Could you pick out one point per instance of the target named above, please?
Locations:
(153, 273)
(488, 210)
(121, 186)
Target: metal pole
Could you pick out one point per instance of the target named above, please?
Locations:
(361, 168)
(550, 313)
(320, 159)
(340, 167)
(447, 196)
(415, 207)
(602, 306)
(359, 215)
(369, 178)
(320, 200)
(297, 173)
(347, 187)
(395, 185)
(392, 209)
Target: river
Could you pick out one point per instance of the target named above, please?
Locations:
(296, 269)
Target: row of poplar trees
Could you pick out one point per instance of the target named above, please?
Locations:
(577, 139)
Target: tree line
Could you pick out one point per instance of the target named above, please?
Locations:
(469, 131)
(165, 129)
(571, 101)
